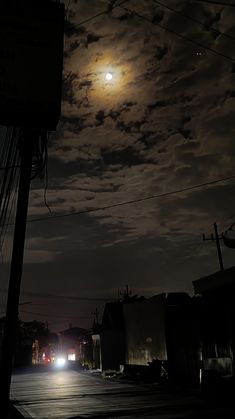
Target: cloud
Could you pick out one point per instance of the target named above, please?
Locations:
(164, 122)
(40, 256)
(42, 250)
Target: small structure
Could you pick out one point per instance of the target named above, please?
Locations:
(162, 330)
(150, 337)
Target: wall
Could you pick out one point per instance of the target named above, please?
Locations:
(112, 349)
(145, 330)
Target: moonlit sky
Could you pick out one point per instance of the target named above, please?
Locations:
(165, 121)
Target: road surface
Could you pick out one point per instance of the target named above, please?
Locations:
(74, 395)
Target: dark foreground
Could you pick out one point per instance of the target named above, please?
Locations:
(47, 393)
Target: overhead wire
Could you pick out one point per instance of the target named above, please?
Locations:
(59, 297)
(230, 228)
(3, 146)
(39, 155)
(9, 188)
(193, 19)
(7, 155)
(104, 12)
(10, 167)
(186, 38)
(46, 181)
(40, 152)
(132, 201)
(53, 315)
(216, 3)
(179, 35)
(8, 221)
(10, 156)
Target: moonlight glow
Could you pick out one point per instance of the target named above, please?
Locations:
(109, 76)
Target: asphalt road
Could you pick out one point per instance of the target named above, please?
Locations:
(73, 395)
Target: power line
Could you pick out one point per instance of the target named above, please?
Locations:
(12, 209)
(104, 12)
(17, 166)
(132, 201)
(217, 3)
(179, 35)
(63, 297)
(53, 315)
(10, 155)
(193, 19)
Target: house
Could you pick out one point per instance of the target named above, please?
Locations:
(162, 330)
(141, 335)
(71, 343)
(23, 346)
(109, 339)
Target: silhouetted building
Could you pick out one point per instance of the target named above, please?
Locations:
(163, 329)
(217, 326)
(23, 348)
(109, 341)
(72, 342)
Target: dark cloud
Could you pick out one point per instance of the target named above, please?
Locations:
(92, 37)
(160, 52)
(100, 117)
(71, 29)
(127, 157)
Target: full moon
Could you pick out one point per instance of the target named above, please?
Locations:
(109, 76)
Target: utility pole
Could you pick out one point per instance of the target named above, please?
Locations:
(28, 98)
(10, 330)
(126, 294)
(217, 239)
(96, 316)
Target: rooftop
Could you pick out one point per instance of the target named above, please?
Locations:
(215, 281)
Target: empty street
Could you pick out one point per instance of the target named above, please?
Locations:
(70, 394)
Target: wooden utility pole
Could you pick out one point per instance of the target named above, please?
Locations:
(10, 330)
(30, 97)
(217, 239)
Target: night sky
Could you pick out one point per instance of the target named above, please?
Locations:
(163, 123)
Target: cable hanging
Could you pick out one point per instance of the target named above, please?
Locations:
(9, 155)
(179, 35)
(216, 3)
(193, 19)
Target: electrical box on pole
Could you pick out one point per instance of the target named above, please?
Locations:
(31, 61)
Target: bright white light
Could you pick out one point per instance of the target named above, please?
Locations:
(60, 362)
(71, 357)
(109, 76)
